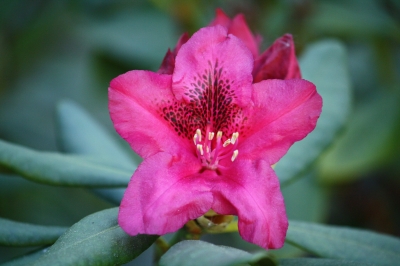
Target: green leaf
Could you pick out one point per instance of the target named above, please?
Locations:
(324, 64)
(133, 36)
(306, 200)
(27, 259)
(200, 253)
(320, 262)
(57, 169)
(369, 141)
(14, 233)
(79, 133)
(344, 243)
(96, 240)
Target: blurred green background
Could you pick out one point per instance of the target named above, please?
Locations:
(70, 49)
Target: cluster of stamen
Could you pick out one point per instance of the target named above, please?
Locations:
(211, 151)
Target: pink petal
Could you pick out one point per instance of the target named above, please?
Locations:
(213, 63)
(168, 63)
(278, 62)
(240, 29)
(164, 193)
(284, 111)
(250, 189)
(220, 19)
(136, 102)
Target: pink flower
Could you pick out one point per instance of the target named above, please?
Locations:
(209, 135)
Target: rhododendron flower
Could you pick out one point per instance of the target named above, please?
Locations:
(208, 133)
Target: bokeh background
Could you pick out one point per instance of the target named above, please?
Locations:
(71, 49)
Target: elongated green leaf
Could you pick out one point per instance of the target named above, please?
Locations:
(96, 240)
(57, 169)
(27, 259)
(320, 262)
(344, 243)
(79, 133)
(200, 253)
(14, 233)
(324, 64)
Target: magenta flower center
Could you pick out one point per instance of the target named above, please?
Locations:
(210, 103)
(211, 150)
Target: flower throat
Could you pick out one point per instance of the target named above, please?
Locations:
(211, 149)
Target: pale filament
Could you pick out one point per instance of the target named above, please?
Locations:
(211, 151)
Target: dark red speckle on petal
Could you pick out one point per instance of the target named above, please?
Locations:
(211, 104)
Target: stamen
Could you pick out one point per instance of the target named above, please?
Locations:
(198, 133)
(200, 149)
(226, 143)
(234, 137)
(234, 155)
(211, 152)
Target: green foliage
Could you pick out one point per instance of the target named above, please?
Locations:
(14, 233)
(199, 253)
(27, 259)
(321, 262)
(58, 169)
(344, 243)
(324, 64)
(368, 142)
(96, 240)
(306, 200)
(79, 133)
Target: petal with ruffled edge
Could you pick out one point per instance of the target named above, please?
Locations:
(216, 62)
(136, 103)
(284, 112)
(164, 193)
(278, 61)
(238, 27)
(250, 190)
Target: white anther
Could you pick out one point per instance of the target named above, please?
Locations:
(226, 143)
(234, 155)
(234, 137)
(219, 134)
(194, 139)
(200, 149)
(198, 133)
(210, 135)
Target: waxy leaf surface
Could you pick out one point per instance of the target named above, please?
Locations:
(344, 243)
(14, 233)
(79, 133)
(320, 262)
(58, 169)
(199, 253)
(96, 240)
